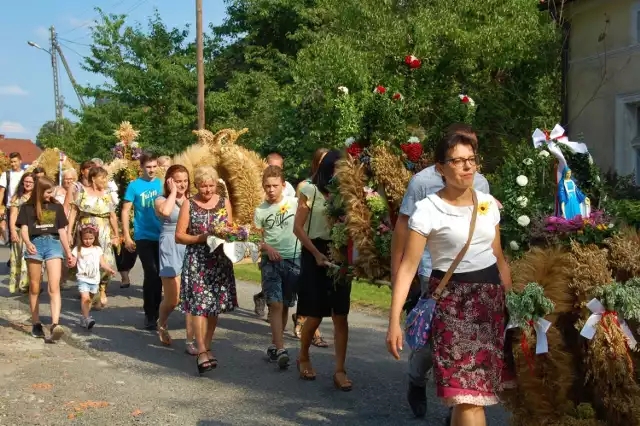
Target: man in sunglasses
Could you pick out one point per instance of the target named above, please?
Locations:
(426, 182)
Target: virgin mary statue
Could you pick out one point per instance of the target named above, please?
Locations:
(573, 202)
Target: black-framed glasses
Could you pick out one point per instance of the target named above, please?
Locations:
(459, 162)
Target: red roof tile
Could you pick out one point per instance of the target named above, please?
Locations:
(27, 149)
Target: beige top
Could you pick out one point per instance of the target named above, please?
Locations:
(319, 227)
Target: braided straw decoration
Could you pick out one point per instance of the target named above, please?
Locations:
(239, 168)
(352, 180)
(49, 160)
(126, 133)
(390, 172)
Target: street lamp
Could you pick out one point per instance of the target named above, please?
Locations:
(37, 46)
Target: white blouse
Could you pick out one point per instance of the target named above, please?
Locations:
(447, 230)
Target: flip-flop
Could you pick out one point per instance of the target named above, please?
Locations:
(307, 374)
(346, 385)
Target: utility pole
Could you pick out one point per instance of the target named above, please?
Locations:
(70, 74)
(56, 88)
(200, 64)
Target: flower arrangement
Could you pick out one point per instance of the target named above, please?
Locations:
(221, 228)
(413, 62)
(528, 305)
(127, 148)
(412, 149)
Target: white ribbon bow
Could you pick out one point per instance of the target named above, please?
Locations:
(597, 311)
(541, 327)
(557, 135)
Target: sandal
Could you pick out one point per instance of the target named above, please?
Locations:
(297, 326)
(307, 373)
(318, 341)
(163, 333)
(203, 366)
(190, 349)
(212, 360)
(345, 385)
(125, 285)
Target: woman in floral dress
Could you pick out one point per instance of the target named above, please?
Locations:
(94, 205)
(18, 277)
(208, 286)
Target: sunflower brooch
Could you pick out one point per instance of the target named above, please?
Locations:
(285, 208)
(483, 208)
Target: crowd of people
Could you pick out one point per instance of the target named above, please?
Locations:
(75, 226)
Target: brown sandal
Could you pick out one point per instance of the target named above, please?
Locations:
(307, 373)
(318, 341)
(345, 385)
(163, 333)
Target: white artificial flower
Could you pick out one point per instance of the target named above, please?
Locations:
(523, 201)
(134, 144)
(544, 153)
(121, 143)
(522, 180)
(343, 90)
(527, 161)
(598, 178)
(413, 139)
(349, 142)
(590, 159)
(514, 246)
(611, 225)
(524, 220)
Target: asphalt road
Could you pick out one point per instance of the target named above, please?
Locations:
(120, 374)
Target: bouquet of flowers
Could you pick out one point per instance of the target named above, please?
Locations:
(232, 232)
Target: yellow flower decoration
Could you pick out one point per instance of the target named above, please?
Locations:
(284, 208)
(483, 208)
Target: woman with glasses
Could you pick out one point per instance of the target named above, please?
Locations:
(469, 322)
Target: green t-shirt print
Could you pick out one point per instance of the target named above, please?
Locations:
(276, 221)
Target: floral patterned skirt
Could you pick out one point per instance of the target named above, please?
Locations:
(208, 285)
(468, 341)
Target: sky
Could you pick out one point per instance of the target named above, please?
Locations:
(26, 78)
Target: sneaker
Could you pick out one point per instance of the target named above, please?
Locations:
(260, 304)
(417, 397)
(89, 322)
(37, 331)
(272, 353)
(150, 323)
(56, 332)
(282, 357)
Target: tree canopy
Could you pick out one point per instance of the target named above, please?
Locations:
(275, 66)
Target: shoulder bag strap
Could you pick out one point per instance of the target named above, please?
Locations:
(295, 248)
(472, 227)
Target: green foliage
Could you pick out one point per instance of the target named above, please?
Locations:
(339, 235)
(275, 67)
(621, 298)
(528, 305)
(67, 142)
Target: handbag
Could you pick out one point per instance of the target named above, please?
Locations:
(418, 323)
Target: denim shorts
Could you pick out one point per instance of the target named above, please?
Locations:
(84, 287)
(47, 247)
(279, 280)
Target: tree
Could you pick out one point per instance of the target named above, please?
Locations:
(67, 142)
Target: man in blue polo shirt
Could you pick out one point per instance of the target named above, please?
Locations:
(424, 183)
(141, 195)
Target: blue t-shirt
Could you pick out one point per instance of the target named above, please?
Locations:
(143, 193)
(429, 181)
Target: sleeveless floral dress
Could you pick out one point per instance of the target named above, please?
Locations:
(18, 277)
(208, 285)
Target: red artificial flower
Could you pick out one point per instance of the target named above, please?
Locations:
(397, 97)
(412, 150)
(465, 99)
(412, 61)
(380, 89)
(355, 150)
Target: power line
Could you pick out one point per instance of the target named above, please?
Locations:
(90, 22)
(74, 42)
(74, 51)
(137, 5)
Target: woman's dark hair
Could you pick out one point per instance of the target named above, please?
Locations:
(450, 141)
(86, 165)
(172, 170)
(317, 158)
(95, 172)
(37, 170)
(326, 170)
(20, 190)
(43, 184)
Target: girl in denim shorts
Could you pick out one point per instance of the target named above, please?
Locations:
(42, 225)
(89, 259)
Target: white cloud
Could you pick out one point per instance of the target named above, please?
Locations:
(42, 33)
(12, 127)
(12, 90)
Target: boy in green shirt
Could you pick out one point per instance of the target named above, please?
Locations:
(280, 264)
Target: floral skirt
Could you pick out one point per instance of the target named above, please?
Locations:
(468, 338)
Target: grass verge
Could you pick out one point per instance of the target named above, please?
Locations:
(366, 296)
